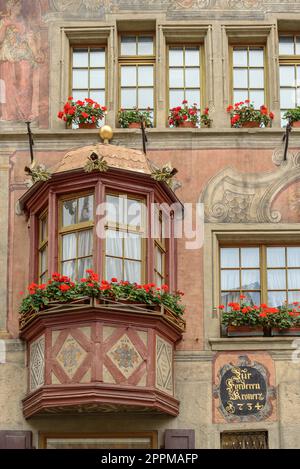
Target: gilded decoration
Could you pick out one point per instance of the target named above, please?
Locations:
(164, 366)
(125, 356)
(71, 356)
(37, 363)
(233, 197)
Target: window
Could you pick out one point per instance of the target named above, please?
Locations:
(137, 72)
(159, 250)
(244, 440)
(248, 75)
(88, 73)
(184, 75)
(125, 238)
(76, 235)
(264, 274)
(145, 440)
(43, 248)
(289, 73)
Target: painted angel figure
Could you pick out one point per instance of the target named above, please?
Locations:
(20, 55)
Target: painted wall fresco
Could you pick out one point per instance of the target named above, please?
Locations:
(23, 62)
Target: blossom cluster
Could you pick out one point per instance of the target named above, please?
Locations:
(61, 288)
(244, 111)
(82, 112)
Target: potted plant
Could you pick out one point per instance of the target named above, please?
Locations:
(86, 114)
(132, 118)
(184, 116)
(205, 120)
(61, 290)
(293, 116)
(245, 319)
(243, 114)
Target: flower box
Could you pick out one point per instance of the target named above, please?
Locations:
(134, 125)
(250, 124)
(86, 125)
(244, 331)
(291, 331)
(85, 113)
(296, 124)
(132, 118)
(187, 124)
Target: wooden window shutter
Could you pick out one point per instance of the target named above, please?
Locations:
(10, 439)
(180, 439)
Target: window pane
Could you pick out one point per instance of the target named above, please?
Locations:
(44, 233)
(80, 79)
(176, 56)
(85, 209)
(80, 94)
(293, 257)
(145, 45)
(176, 98)
(69, 246)
(256, 78)
(230, 297)
(298, 75)
(293, 296)
(69, 212)
(85, 243)
(68, 269)
(97, 78)
(286, 45)
(252, 297)
(128, 76)
(114, 209)
(294, 279)
(250, 257)
(287, 75)
(193, 96)
(240, 78)
(132, 271)
(192, 77)
(256, 58)
(297, 45)
(83, 266)
(230, 257)
(240, 58)
(276, 279)
(97, 58)
(276, 298)
(145, 75)
(240, 95)
(98, 96)
(158, 260)
(43, 260)
(250, 280)
(133, 246)
(145, 98)
(128, 45)
(128, 98)
(176, 78)
(258, 98)
(114, 243)
(276, 257)
(287, 98)
(230, 280)
(192, 56)
(113, 268)
(133, 212)
(80, 58)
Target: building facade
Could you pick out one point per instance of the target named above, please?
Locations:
(63, 383)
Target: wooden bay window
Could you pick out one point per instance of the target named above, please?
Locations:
(43, 248)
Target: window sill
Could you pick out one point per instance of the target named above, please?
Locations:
(286, 344)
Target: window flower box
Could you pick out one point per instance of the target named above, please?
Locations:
(245, 319)
(244, 114)
(86, 114)
(188, 116)
(293, 116)
(132, 118)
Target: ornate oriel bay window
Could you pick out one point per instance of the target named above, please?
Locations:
(76, 350)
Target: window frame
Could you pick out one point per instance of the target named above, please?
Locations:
(137, 60)
(76, 228)
(231, 79)
(42, 244)
(201, 73)
(161, 245)
(263, 268)
(287, 59)
(152, 435)
(89, 46)
(144, 255)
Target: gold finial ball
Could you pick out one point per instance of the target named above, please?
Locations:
(106, 133)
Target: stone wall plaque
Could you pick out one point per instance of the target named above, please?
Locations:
(242, 389)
